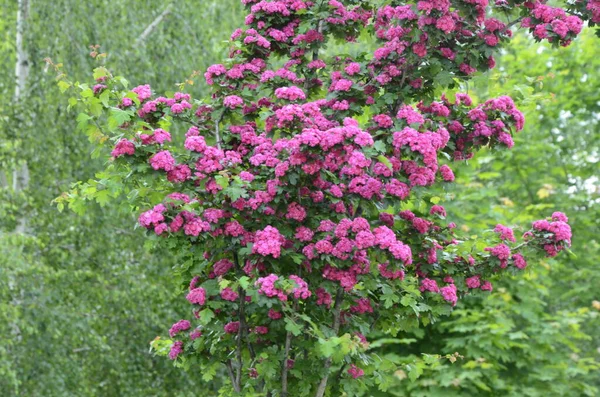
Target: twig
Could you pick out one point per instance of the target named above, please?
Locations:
(236, 387)
(284, 370)
(238, 266)
(153, 25)
(336, 329)
(240, 362)
(217, 136)
(516, 21)
(339, 374)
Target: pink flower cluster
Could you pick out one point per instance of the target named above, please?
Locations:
(552, 24)
(179, 326)
(554, 235)
(266, 286)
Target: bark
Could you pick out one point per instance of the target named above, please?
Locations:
(284, 370)
(336, 330)
(20, 180)
(150, 28)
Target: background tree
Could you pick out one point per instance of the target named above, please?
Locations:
(81, 296)
(540, 336)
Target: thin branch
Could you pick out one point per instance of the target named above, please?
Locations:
(217, 136)
(525, 184)
(336, 330)
(153, 25)
(238, 267)
(236, 387)
(315, 54)
(284, 370)
(339, 374)
(240, 340)
(516, 21)
(81, 349)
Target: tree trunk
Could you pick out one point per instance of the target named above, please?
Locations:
(20, 180)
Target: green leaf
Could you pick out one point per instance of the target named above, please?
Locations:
(63, 86)
(206, 316)
(244, 282)
(293, 327)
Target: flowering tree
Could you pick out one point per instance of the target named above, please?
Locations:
(302, 197)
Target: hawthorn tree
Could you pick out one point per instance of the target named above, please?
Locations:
(300, 196)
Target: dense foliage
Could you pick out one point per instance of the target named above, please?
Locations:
(291, 216)
(58, 337)
(80, 295)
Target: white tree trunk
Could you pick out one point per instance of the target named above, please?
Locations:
(21, 172)
(22, 66)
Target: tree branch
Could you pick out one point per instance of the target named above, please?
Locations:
(241, 331)
(217, 135)
(516, 21)
(236, 387)
(336, 330)
(150, 28)
(284, 370)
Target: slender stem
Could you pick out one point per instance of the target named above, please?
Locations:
(315, 54)
(516, 21)
(241, 331)
(150, 28)
(238, 265)
(217, 136)
(236, 386)
(339, 375)
(525, 184)
(336, 330)
(284, 369)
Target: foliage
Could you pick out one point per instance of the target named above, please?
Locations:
(540, 334)
(82, 296)
(314, 169)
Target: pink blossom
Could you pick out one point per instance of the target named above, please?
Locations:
(268, 242)
(449, 294)
(162, 161)
(181, 325)
(233, 101)
(195, 144)
(323, 297)
(519, 261)
(506, 233)
(221, 267)
(232, 327)
(438, 209)
(292, 93)
(473, 282)
(260, 330)
(197, 296)
(274, 315)
(123, 147)
(500, 251)
(296, 212)
(176, 350)
(342, 85)
(267, 287)
(429, 285)
(229, 295)
(392, 275)
(362, 305)
(352, 68)
(301, 291)
(143, 92)
(355, 372)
